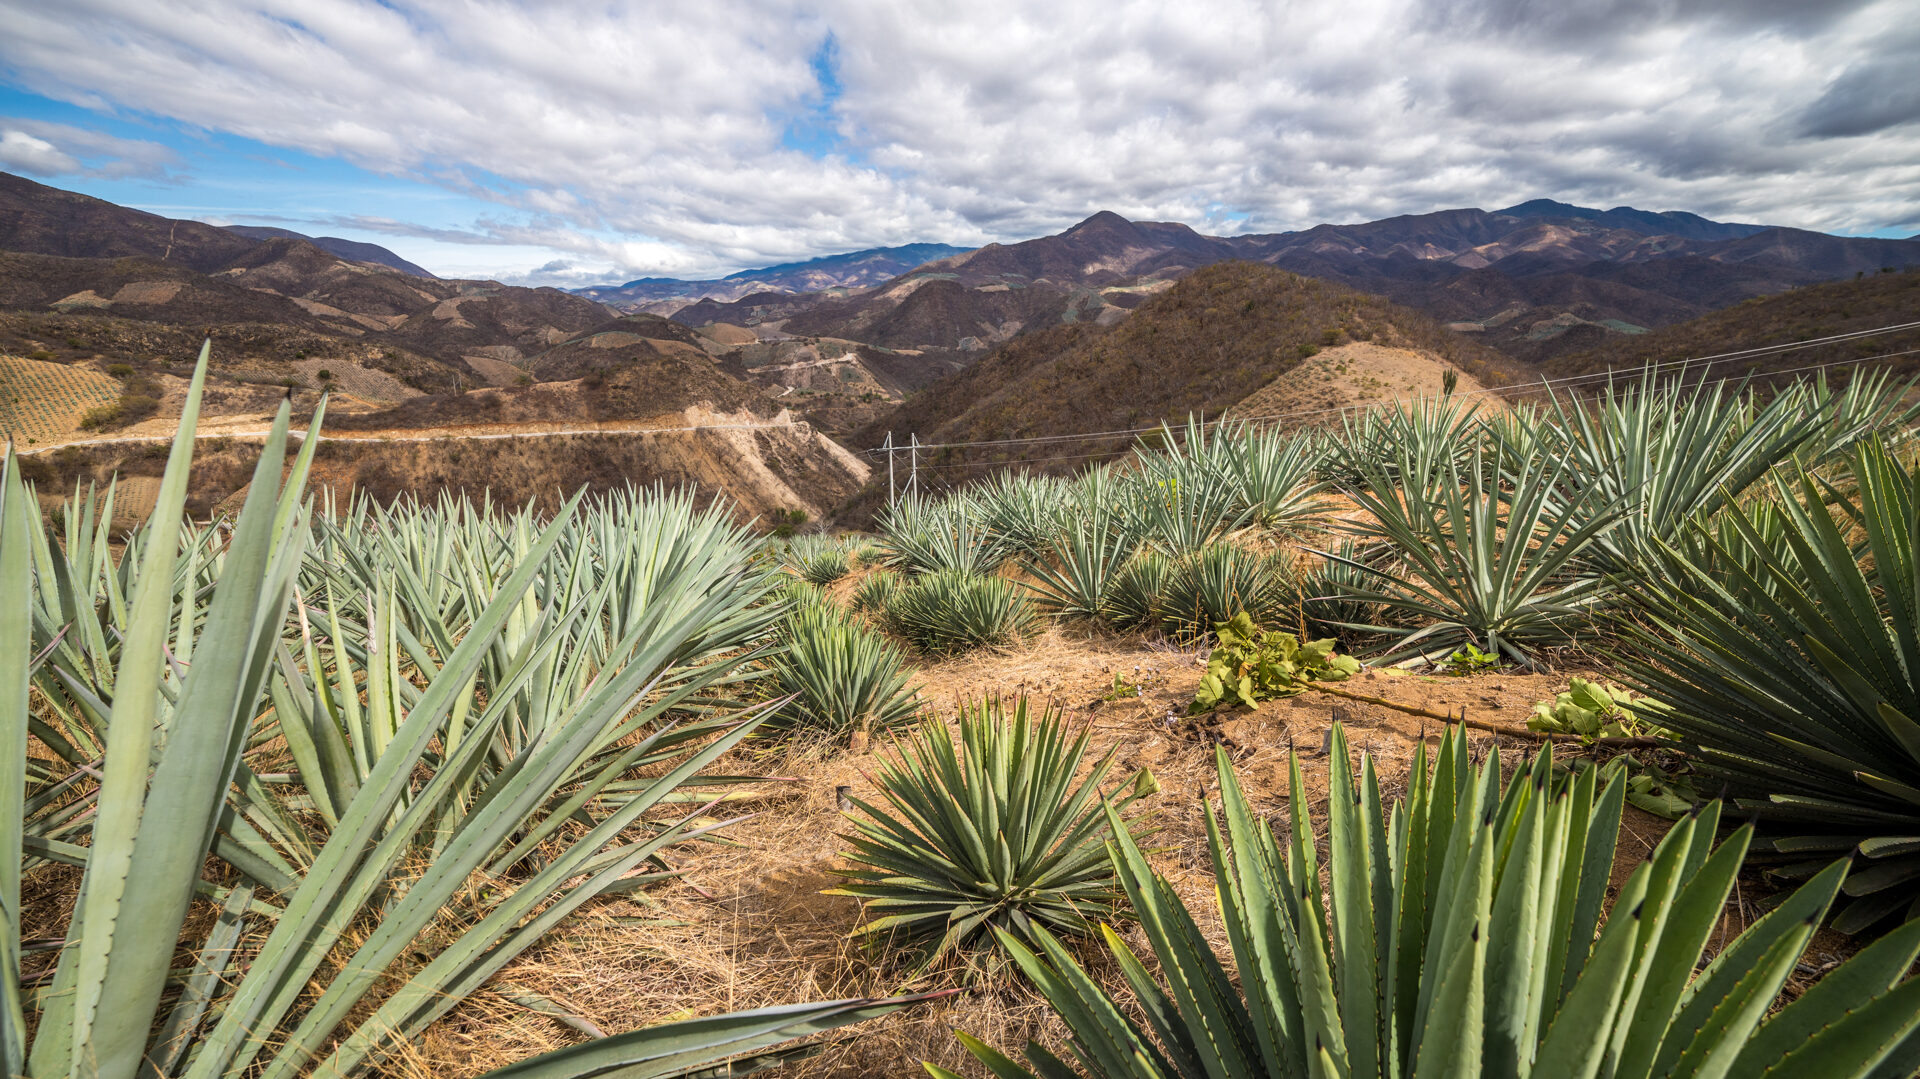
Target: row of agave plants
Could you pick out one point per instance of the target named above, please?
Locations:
(352, 764)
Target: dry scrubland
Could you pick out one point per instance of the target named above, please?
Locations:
(436, 787)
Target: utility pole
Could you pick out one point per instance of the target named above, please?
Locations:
(891, 497)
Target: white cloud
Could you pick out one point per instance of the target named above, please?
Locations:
(22, 152)
(38, 148)
(649, 138)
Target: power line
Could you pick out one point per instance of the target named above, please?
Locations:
(1567, 380)
(1284, 415)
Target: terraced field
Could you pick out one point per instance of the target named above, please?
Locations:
(42, 401)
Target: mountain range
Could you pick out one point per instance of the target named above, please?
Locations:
(1518, 279)
(856, 269)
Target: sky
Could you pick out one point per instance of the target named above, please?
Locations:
(570, 143)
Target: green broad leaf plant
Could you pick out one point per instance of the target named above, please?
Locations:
(1249, 666)
(1598, 710)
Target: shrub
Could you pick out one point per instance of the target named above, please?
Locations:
(950, 611)
(1597, 710)
(847, 676)
(1249, 666)
(101, 416)
(992, 834)
(1462, 940)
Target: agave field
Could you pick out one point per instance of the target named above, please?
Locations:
(287, 794)
(44, 401)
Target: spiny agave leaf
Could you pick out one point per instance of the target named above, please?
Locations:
(673, 1049)
(123, 786)
(15, 647)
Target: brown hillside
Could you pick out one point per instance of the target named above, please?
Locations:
(1801, 314)
(1203, 345)
(762, 472)
(48, 221)
(632, 381)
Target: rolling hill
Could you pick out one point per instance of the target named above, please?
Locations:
(352, 250)
(102, 309)
(1803, 314)
(1223, 334)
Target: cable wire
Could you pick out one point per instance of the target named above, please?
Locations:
(1567, 380)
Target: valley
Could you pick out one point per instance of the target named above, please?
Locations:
(1109, 326)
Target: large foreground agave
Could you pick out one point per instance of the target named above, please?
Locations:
(1456, 939)
(1787, 640)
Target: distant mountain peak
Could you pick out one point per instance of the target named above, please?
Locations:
(1647, 222)
(1102, 221)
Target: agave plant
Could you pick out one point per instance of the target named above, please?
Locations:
(922, 535)
(1475, 560)
(1665, 455)
(1787, 641)
(875, 591)
(1274, 475)
(1078, 573)
(1219, 581)
(1181, 504)
(950, 611)
(1024, 513)
(1326, 590)
(841, 675)
(327, 945)
(1137, 597)
(1455, 937)
(818, 559)
(1413, 443)
(995, 834)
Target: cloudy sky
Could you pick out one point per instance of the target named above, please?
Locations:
(555, 141)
